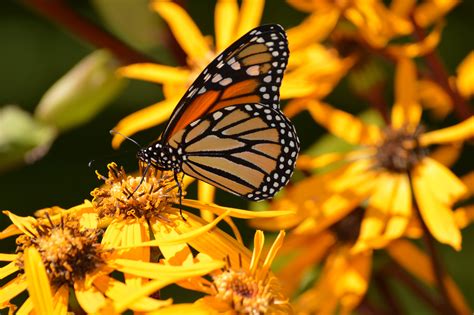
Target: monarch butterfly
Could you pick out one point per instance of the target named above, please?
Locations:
(228, 129)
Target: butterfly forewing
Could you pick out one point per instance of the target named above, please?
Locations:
(249, 71)
(248, 150)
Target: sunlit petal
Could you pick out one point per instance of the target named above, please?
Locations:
(8, 257)
(342, 124)
(465, 77)
(206, 193)
(250, 15)
(183, 29)
(225, 19)
(25, 224)
(406, 111)
(460, 132)
(61, 300)
(145, 118)
(193, 309)
(38, 283)
(314, 28)
(157, 73)
(12, 289)
(90, 299)
(26, 308)
(436, 214)
(7, 270)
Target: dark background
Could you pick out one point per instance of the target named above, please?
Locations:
(34, 53)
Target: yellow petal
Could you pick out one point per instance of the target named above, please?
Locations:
(272, 252)
(460, 132)
(12, 289)
(225, 19)
(145, 118)
(406, 111)
(112, 236)
(233, 212)
(402, 208)
(447, 154)
(184, 29)
(428, 12)
(464, 216)
(160, 271)
(61, 300)
(174, 254)
(465, 77)
(155, 73)
(308, 253)
(258, 242)
(26, 308)
(25, 224)
(38, 283)
(343, 124)
(90, 299)
(135, 233)
(314, 28)
(418, 263)
(250, 16)
(193, 309)
(117, 291)
(468, 180)
(306, 162)
(434, 97)
(413, 50)
(434, 208)
(7, 270)
(10, 231)
(8, 257)
(206, 193)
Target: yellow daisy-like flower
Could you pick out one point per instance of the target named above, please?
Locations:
(56, 256)
(312, 70)
(391, 167)
(379, 24)
(244, 288)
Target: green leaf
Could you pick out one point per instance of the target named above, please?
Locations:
(82, 92)
(22, 138)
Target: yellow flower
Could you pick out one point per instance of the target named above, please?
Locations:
(378, 24)
(312, 70)
(391, 167)
(55, 256)
(247, 287)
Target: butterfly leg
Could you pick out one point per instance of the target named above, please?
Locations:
(180, 193)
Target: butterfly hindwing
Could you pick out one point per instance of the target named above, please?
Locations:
(249, 71)
(248, 150)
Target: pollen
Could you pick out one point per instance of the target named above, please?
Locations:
(400, 150)
(126, 196)
(243, 292)
(68, 252)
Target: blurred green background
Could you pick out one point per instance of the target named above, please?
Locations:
(35, 53)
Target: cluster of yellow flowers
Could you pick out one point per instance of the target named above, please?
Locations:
(391, 185)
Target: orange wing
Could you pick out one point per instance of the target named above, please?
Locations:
(248, 72)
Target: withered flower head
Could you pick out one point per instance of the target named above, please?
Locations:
(67, 251)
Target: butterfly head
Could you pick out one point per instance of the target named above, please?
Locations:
(160, 156)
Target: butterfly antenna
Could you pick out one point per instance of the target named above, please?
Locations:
(141, 181)
(115, 132)
(180, 193)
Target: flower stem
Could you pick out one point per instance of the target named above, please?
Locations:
(395, 271)
(384, 289)
(60, 13)
(440, 75)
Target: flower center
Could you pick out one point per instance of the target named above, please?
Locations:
(67, 251)
(347, 229)
(243, 292)
(120, 197)
(400, 150)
